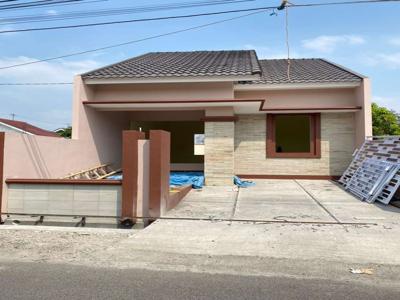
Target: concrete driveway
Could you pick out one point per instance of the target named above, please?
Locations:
(320, 201)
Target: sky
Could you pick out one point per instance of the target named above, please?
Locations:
(364, 38)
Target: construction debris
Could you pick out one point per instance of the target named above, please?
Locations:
(370, 178)
(98, 172)
(362, 271)
(374, 173)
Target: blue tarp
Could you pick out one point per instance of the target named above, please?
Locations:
(115, 177)
(242, 183)
(196, 179)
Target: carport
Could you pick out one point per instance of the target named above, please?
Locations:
(295, 201)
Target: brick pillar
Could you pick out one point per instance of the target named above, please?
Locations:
(160, 151)
(2, 138)
(219, 151)
(130, 173)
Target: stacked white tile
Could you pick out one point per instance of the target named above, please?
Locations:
(219, 153)
(81, 200)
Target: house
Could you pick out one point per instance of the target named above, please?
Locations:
(222, 112)
(7, 125)
(261, 118)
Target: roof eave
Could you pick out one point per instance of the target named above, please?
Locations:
(172, 79)
(15, 128)
(296, 86)
(344, 68)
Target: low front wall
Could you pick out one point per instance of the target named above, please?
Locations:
(40, 157)
(65, 199)
(337, 147)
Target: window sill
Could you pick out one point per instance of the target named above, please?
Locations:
(293, 155)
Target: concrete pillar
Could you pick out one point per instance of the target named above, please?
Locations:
(130, 140)
(143, 183)
(363, 118)
(219, 150)
(2, 138)
(160, 152)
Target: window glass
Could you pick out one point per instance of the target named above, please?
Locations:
(292, 133)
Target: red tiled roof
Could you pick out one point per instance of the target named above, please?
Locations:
(29, 128)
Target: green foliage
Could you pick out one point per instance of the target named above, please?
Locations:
(65, 132)
(384, 121)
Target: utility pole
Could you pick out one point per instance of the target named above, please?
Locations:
(12, 116)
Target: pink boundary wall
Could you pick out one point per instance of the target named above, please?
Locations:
(39, 157)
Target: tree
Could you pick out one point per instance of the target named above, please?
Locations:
(65, 132)
(384, 121)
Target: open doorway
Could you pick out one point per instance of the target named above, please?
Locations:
(183, 156)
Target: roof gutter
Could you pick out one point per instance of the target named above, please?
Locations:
(175, 79)
(294, 86)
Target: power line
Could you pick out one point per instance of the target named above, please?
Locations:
(131, 42)
(118, 11)
(185, 30)
(36, 3)
(137, 20)
(53, 5)
(343, 3)
(190, 16)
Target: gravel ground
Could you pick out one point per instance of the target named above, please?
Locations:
(41, 244)
(213, 248)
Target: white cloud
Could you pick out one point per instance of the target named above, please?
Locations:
(55, 71)
(329, 43)
(391, 60)
(387, 60)
(47, 106)
(392, 103)
(52, 12)
(395, 41)
(7, 28)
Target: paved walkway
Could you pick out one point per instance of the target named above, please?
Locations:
(298, 220)
(283, 200)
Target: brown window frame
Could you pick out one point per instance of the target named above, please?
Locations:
(315, 140)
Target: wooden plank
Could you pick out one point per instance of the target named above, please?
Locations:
(84, 171)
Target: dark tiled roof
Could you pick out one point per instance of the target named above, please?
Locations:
(29, 128)
(274, 71)
(176, 64)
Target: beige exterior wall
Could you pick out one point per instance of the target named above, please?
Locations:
(303, 98)
(320, 99)
(337, 146)
(219, 153)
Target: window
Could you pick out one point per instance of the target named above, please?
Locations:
(293, 135)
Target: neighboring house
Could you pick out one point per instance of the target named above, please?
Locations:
(7, 125)
(259, 117)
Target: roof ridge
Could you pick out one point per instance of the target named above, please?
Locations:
(255, 62)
